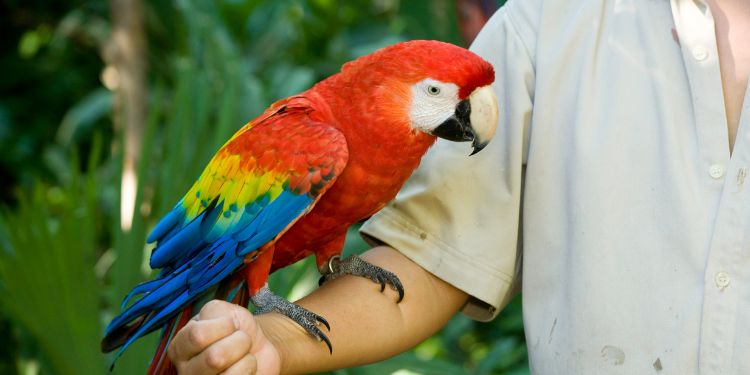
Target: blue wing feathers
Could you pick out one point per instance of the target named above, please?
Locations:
(140, 289)
(271, 222)
(208, 222)
(185, 240)
(191, 263)
(170, 220)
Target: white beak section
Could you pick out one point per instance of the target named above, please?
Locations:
(484, 114)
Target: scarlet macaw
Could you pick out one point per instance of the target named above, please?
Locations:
(289, 183)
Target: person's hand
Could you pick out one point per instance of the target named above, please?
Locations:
(223, 339)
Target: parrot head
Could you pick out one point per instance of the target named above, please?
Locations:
(446, 88)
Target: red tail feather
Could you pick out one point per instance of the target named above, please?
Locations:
(160, 363)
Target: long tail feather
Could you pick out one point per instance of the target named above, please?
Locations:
(160, 363)
(232, 290)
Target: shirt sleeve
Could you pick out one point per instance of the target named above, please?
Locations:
(458, 217)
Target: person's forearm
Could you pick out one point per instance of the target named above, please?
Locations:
(366, 325)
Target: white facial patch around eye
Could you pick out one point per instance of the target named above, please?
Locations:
(432, 102)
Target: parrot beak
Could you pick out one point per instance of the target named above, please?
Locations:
(475, 120)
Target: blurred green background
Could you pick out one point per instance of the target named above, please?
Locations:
(109, 110)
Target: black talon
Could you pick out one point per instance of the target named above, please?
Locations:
(323, 321)
(322, 337)
(381, 280)
(328, 343)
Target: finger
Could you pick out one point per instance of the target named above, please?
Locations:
(218, 308)
(242, 317)
(248, 365)
(197, 336)
(220, 355)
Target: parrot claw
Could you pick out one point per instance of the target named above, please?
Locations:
(354, 265)
(323, 321)
(266, 301)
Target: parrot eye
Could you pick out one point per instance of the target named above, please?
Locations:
(432, 103)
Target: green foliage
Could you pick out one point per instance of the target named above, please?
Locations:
(48, 282)
(49, 60)
(66, 261)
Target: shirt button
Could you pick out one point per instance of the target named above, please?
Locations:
(700, 53)
(722, 280)
(716, 171)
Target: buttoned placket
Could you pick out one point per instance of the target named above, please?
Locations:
(725, 178)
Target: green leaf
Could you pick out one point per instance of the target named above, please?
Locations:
(84, 114)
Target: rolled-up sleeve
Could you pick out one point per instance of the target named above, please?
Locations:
(458, 217)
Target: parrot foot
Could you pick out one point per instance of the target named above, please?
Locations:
(354, 265)
(266, 301)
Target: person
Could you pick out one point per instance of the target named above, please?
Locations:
(619, 173)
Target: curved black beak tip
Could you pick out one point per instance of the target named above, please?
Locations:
(478, 146)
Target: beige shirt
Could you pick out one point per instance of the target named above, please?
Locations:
(612, 164)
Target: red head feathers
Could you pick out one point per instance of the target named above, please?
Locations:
(417, 59)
